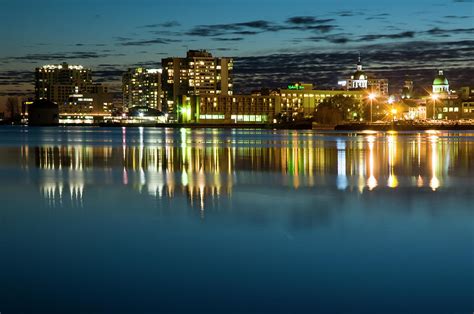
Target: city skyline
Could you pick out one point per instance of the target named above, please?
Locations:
(274, 43)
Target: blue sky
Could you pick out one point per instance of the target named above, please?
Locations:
(111, 35)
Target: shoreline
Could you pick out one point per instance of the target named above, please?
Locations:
(404, 127)
(286, 126)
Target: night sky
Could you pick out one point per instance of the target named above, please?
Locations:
(274, 42)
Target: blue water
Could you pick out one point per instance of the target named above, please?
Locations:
(235, 221)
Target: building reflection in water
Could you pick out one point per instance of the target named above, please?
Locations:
(205, 167)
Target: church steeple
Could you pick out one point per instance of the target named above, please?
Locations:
(359, 78)
(359, 64)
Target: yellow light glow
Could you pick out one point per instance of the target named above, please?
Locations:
(371, 182)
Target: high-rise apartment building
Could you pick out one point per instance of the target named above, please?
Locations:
(198, 74)
(72, 89)
(142, 87)
(57, 82)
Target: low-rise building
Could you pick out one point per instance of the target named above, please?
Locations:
(301, 99)
(238, 109)
(87, 107)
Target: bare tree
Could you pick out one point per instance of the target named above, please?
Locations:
(12, 107)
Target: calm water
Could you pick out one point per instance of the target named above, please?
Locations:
(148, 220)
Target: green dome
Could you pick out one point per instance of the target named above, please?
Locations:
(440, 79)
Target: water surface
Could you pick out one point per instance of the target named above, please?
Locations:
(207, 220)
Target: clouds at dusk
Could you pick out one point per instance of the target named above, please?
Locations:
(290, 43)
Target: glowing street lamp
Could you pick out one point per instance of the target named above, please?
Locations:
(434, 97)
(392, 110)
(371, 97)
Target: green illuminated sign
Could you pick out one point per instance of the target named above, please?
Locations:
(296, 87)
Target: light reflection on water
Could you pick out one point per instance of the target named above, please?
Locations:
(208, 163)
(288, 221)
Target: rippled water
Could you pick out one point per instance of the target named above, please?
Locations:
(206, 220)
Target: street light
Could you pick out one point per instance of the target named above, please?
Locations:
(392, 110)
(434, 97)
(372, 96)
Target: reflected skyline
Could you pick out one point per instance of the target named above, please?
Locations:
(127, 219)
(208, 164)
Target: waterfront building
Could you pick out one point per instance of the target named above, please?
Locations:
(360, 80)
(441, 84)
(302, 100)
(458, 105)
(198, 74)
(79, 99)
(57, 82)
(238, 109)
(443, 104)
(142, 87)
(87, 107)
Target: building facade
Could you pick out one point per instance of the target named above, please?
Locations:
(79, 99)
(87, 107)
(301, 99)
(440, 84)
(198, 74)
(360, 80)
(57, 82)
(238, 109)
(142, 87)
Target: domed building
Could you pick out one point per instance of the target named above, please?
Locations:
(359, 79)
(440, 84)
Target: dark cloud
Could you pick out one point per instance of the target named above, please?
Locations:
(166, 33)
(228, 39)
(16, 76)
(61, 56)
(307, 20)
(245, 33)
(345, 13)
(302, 23)
(416, 60)
(168, 24)
(408, 34)
(148, 42)
(225, 49)
(222, 29)
(91, 45)
(440, 32)
(459, 17)
(334, 39)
